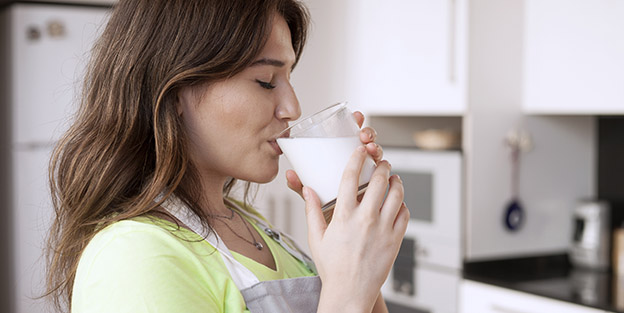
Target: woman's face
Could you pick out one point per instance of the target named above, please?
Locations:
(233, 123)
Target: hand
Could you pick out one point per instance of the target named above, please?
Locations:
(367, 135)
(354, 253)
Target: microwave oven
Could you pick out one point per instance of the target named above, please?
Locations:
(426, 274)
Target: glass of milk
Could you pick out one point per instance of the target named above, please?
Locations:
(319, 147)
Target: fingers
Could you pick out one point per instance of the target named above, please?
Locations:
(368, 134)
(401, 221)
(293, 182)
(314, 215)
(375, 151)
(359, 118)
(374, 195)
(394, 200)
(347, 192)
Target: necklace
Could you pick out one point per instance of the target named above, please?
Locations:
(255, 243)
(223, 216)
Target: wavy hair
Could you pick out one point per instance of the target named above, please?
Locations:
(127, 143)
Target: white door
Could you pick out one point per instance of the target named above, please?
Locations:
(433, 291)
(31, 220)
(50, 46)
(408, 56)
(574, 57)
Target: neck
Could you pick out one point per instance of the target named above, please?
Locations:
(212, 202)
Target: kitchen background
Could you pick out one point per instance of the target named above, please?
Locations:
(454, 89)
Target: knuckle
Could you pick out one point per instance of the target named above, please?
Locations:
(406, 212)
(396, 197)
(366, 221)
(377, 180)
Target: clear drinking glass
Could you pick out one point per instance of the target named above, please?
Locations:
(319, 147)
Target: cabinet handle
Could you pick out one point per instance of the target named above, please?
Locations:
(33, 33)
(452, 35)
(501, 309)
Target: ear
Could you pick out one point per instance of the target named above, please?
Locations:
(178, 104)
(181, 99)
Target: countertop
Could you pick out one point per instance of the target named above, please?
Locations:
(552, 276)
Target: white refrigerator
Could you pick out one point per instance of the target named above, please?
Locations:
(45, 49)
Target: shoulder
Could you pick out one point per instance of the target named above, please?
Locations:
(149, 265)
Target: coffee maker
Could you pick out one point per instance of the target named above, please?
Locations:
(591, 240)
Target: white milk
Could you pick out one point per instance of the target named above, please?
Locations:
(320, 162)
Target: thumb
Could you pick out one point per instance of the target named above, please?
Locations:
(314, 215)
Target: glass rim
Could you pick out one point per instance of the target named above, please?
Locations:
(336, 106)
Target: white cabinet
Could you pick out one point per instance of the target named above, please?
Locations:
(434, 291)
(574, 57)
(408, 57)
(482, 298)
(49, 47)
(31, 220)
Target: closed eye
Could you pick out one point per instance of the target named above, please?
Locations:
(265, 85)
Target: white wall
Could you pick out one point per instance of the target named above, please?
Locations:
(554, 175)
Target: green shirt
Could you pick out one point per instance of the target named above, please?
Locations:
(149, 265)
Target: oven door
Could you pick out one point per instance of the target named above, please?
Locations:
(418, 288)
(432, 181)
(433, 292)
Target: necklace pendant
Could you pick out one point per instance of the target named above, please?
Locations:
(258, 245)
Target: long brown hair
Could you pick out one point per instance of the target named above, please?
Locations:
(127, 144)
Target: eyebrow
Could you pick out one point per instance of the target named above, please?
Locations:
(265, 61)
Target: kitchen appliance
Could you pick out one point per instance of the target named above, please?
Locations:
(45, 49)
(591, 237)
(426, 274)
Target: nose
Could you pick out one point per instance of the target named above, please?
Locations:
(288, 108)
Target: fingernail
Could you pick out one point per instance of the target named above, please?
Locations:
(306, 193)
(361, 149)
(370, 136)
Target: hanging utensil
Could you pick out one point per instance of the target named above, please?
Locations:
(514, 214)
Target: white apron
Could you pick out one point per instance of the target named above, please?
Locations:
(299, 294)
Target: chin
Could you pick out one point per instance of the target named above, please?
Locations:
(265, 174)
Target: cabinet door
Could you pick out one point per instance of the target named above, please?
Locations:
(433, 291)
(483, 298)
(574, 57)
(50, 46)
(408, 57)
(32, 213)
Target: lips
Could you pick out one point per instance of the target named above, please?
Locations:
(276, 147)
(273, 142)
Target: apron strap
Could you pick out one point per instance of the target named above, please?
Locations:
(284, 240)
(243, 278)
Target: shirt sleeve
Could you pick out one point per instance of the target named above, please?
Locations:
(131, 270)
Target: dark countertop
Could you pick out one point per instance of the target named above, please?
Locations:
(552, 276)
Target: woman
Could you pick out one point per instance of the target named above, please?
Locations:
(182, 99)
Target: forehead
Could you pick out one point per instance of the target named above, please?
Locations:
(279, 44)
